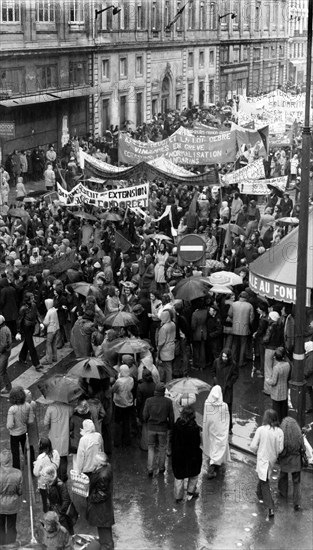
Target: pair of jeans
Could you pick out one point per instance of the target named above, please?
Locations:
(165, 371)
(179, 487)
(263, 492)
(15, 442)
(62, 470)
(4, 377)
(157, 443)
(7, 529)
(283, 486)
(122, 417)
(28, 346)
(51, 347)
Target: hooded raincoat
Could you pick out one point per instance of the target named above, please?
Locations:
(90, 444)
(216, 427)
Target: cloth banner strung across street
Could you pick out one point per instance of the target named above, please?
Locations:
(259, 187)
(131, 197)
(181, 149)
(253, 171)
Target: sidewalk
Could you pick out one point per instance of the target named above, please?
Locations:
(248, 409)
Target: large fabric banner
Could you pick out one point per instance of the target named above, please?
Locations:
(260, 187)
(181, 149)
(200, 129)
(253, 171)
(124, 197)
(252, 138)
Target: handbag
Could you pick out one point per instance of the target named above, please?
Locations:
(80, 483)
(303, 456)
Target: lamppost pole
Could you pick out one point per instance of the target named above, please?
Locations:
(297, 383)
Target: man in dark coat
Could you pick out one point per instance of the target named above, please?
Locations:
(225, 373)
(8, 305)
(100, 511)
(5, 350)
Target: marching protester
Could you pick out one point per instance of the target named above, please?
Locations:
(11, 487)
(216, 422)
(290, 460)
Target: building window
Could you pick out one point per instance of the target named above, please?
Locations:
(167, 18)
(211, 57)
(224, 54)
(244, 53)
(178, 102)
(123, 67)
(105, 69)
(154, 107)
(78, 73)
(257, 17)
(202, 16)
(154, 16)
(190, 95)
(123, 18)
(45, 12)
(139, 17)
(47, 77)
(10, 11)
(212, 16)
(123, 106)
(201, 58)
(139, 65)
(211, 91)
(190, 60)
(273, 51)
(180, 20)
(139, 109)
(201, 93)
(236, 54)
(191, 14)
(12, 81)
(266, 52)
(77, 11)
(256, 54)
(106, 120)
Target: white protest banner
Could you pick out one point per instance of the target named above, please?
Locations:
(132, 197)
(252, 171)
(260, 187)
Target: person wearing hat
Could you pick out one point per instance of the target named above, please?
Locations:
(308, 373)
(241, 314)
(100, 512)
(51, 535)
(273, 339)
(278, 383)
(159, 415)
(10, 498)
(286, 205)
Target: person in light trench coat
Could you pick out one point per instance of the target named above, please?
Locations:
(57, 420)
(268, 443)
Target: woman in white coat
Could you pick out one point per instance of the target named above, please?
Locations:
(268, 443)
(215, 432)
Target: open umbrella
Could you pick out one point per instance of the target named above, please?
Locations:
(85, 216)
(110, 217)
(224, 278)
(288, 220)
(30, 199)
(64, 389)
(278, 191)
(234, 228)
(82, 288)
(130, 346)
(18, 213)
(121, 319)
(92, 367)
(190, 289)
(220, 289)
(187, 385)
(160, 237)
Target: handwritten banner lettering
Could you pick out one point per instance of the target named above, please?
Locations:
(132, 197)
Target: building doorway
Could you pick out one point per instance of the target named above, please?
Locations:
(165, 94)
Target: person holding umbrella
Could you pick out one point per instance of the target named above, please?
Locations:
(57, 421)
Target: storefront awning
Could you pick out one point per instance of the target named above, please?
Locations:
(46, 97)
(274, 273)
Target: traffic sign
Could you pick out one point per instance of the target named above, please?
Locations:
(191, 249)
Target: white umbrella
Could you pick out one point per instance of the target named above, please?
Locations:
(224, 278)
(219, 289)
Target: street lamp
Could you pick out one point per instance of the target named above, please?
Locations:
(115, 11)
(233, 15)
(297, 383)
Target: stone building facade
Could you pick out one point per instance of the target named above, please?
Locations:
(66, 69)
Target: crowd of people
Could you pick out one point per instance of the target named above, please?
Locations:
(129, 267)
